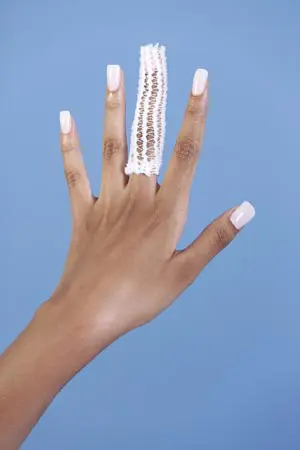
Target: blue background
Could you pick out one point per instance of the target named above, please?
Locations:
(220, 370)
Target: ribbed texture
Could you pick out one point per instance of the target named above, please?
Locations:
(148, 127)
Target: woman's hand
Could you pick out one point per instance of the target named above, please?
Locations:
(123, 267)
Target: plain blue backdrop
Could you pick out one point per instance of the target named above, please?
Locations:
(220, 370)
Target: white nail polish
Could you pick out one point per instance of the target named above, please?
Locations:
(65, 122)
(242, 215)
(113, 77)
(199, 81)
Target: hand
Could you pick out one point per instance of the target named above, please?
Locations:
(123, 267)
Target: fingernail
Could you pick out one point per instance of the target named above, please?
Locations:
(242, 215)
(65, 122)
(199, 81)
(113, 77)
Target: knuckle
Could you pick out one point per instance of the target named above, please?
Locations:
(111, 147)
(187, 148)
(222, 236)
(73, 177)
(113, 102)
(69, 146)
(195, 109)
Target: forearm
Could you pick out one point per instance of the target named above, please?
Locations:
(45, 356)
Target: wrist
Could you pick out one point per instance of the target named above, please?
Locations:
(71, 333)
(43, 358)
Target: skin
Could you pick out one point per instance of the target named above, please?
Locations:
(122, 268)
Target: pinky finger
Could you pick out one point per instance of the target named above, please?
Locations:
(75, 172)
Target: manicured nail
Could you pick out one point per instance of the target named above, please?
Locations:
(65, 122)
(242, 215)
(199, 81)
(113, 77)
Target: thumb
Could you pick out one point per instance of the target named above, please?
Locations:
(212, 241)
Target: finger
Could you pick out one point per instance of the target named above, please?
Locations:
(180, 172)
(143, 187)
(76, 176)
(211, 241)
(148, 128)
(114, 136)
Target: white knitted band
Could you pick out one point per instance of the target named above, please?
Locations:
(148, 127)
